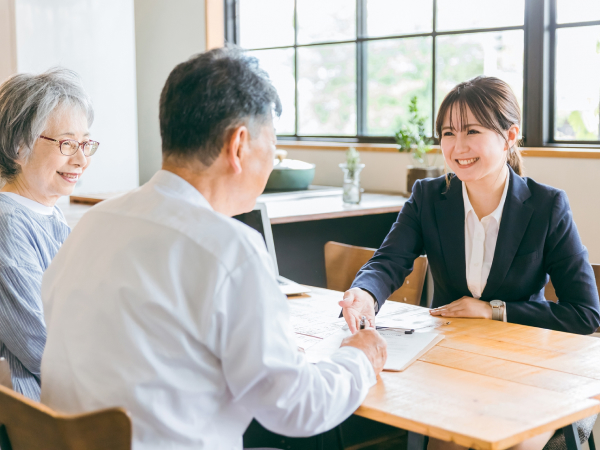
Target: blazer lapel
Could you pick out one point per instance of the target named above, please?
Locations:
(450, 217)
(515, 219)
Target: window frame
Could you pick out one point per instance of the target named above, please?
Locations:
(539, 29)
(553, 28)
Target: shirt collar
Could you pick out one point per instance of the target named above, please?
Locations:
(497, 213)
(173, 185)
(30, 204)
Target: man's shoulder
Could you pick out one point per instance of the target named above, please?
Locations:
(229, 240)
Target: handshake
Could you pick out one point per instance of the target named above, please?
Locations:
(355, 305)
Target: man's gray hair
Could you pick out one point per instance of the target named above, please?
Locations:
(26, 104)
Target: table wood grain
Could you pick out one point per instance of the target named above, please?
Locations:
(489, 385)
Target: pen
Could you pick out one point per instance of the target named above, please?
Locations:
(362, 322)
(406, 330)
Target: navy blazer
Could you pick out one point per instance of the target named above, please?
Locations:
(537, 238)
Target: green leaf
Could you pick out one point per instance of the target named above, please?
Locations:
(412, 137)
(352, 159)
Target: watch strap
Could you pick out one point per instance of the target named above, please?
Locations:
(497, 313)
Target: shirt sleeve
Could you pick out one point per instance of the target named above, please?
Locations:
(394, 260)
(566, 261)
(22, 327)
(263, 368)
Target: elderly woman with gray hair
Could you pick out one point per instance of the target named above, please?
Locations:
(44, 149)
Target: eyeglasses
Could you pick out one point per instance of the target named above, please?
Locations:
(69, 147)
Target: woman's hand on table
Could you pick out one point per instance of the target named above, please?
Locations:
(356, 304)
(466, 307)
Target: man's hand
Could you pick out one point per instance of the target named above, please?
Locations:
(355, 304)
(466, 307)
(372, 344)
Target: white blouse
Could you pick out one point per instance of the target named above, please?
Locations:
(480, 242)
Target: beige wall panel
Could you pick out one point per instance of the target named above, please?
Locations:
(8, 51)
(166, 33)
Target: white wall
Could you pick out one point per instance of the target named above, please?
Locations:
(386, 172)
(8, 51)
(96, 39)
(167, 33)
(578, 178)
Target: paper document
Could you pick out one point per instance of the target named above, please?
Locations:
(401, 315)
(402, 349)
(306, 342)
(317, 319)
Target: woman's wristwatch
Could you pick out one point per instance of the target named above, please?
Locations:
(497, 310)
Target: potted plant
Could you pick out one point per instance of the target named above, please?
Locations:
(412, 138)
(351, 169)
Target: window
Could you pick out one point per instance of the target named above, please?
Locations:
(576, 24)
(346, 69)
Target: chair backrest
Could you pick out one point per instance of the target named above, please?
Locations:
(343, 261)
(550, 293)
(26, 425)
(5, 379)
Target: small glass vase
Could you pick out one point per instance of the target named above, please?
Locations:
(352, 188)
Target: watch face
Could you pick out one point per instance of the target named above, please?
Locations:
(496, 303)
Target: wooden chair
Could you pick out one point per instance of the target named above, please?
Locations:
(550, 293)
(27, 425)
(343, 261)
(5, 379)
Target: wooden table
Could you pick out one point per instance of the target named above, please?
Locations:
(489, 385)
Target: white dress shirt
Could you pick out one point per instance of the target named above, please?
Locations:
(163, 306)
(480, 242)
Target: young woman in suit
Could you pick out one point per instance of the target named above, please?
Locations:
(493, 238)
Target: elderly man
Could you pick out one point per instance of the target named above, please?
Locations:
(161, 303)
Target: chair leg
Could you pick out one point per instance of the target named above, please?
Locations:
(4, 441)
(591, 442)
(418, 441)
(572, 437)
(340, 438)
(320, 441)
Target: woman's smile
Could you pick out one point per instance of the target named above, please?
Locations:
(464, 163)
(69, 176)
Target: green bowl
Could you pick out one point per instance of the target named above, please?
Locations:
(290, 179)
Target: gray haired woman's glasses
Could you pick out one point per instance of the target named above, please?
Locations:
(69, 147)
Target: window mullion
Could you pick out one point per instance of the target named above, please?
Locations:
(536, 81)
(296, 132)
(433, 66)
(361, 68)
(551, 70)
(232, 22)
